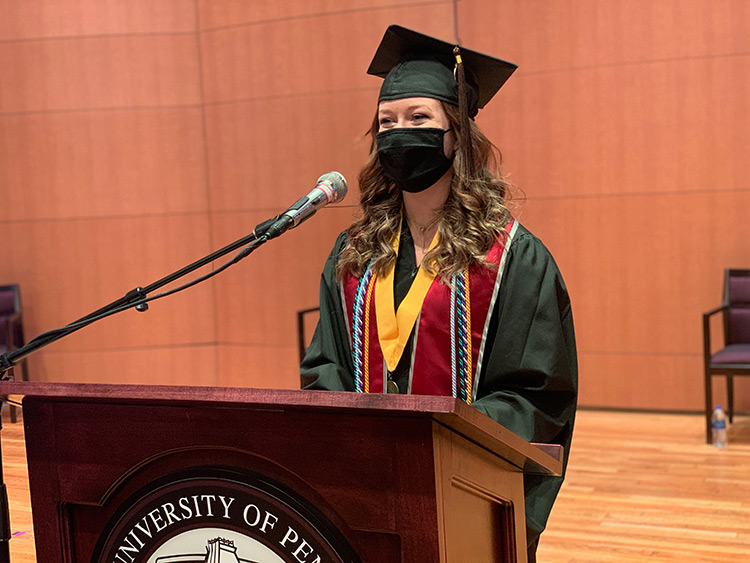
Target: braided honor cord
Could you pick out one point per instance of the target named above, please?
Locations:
(360, 324)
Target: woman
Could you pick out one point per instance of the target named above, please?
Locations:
(437, 289)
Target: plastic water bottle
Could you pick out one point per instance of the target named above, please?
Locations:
(719, 427)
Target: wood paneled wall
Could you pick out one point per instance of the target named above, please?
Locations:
(103, 175)
(137, 136)
(628, 127)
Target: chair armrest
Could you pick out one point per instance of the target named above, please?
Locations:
(714, 311)
(707, 332)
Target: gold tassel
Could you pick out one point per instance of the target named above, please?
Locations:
(463, 110)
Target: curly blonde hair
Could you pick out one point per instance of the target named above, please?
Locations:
(471, 220)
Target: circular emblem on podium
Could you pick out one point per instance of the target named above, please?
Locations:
(220, 515)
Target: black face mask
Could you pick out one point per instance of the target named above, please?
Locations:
(413, 157)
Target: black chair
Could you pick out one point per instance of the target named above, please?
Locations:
(303, 341)
(11, 329)
(733, 359)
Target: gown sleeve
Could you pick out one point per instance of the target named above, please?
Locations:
(530, 380)
(327, 364)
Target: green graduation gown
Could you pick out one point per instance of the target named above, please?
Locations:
(529, 379)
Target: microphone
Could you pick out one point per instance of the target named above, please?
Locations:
(330, 188)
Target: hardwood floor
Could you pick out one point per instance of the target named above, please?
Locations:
(16, 481)
(640, 487)
(645, 487)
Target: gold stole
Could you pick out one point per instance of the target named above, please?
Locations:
(394, 327)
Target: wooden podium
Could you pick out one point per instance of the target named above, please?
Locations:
(308, 475)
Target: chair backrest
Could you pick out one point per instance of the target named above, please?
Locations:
(10, 304)
(9, 300)
(737, 300)
(303, 335)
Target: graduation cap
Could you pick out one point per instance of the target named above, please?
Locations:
(417, 65)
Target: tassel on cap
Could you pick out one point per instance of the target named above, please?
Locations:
(463, 110)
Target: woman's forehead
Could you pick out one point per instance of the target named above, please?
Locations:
(407, 104)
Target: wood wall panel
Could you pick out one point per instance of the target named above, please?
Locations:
(33, 19)
(257, 300)
(544, 35)
(240, 12)
(670, 137)
(644, 381)
(258, 365)
(266, 154)
(177, 365)
(641, 270)
(84, 164)
(68, 269)
(626, 125)
(100, 72)
(104, 182)
(287, 57)
(630, 143)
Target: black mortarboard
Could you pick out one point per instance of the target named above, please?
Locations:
(414, 65)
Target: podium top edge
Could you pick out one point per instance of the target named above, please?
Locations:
(236, 395)
(449, 411)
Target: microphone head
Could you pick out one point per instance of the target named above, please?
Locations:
(335, 184)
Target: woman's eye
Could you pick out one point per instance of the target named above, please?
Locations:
(384, 121)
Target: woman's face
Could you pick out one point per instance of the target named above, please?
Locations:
(415, 112)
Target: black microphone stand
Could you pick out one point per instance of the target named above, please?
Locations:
(137, 299)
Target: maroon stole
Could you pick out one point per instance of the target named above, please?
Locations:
(437, 339)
